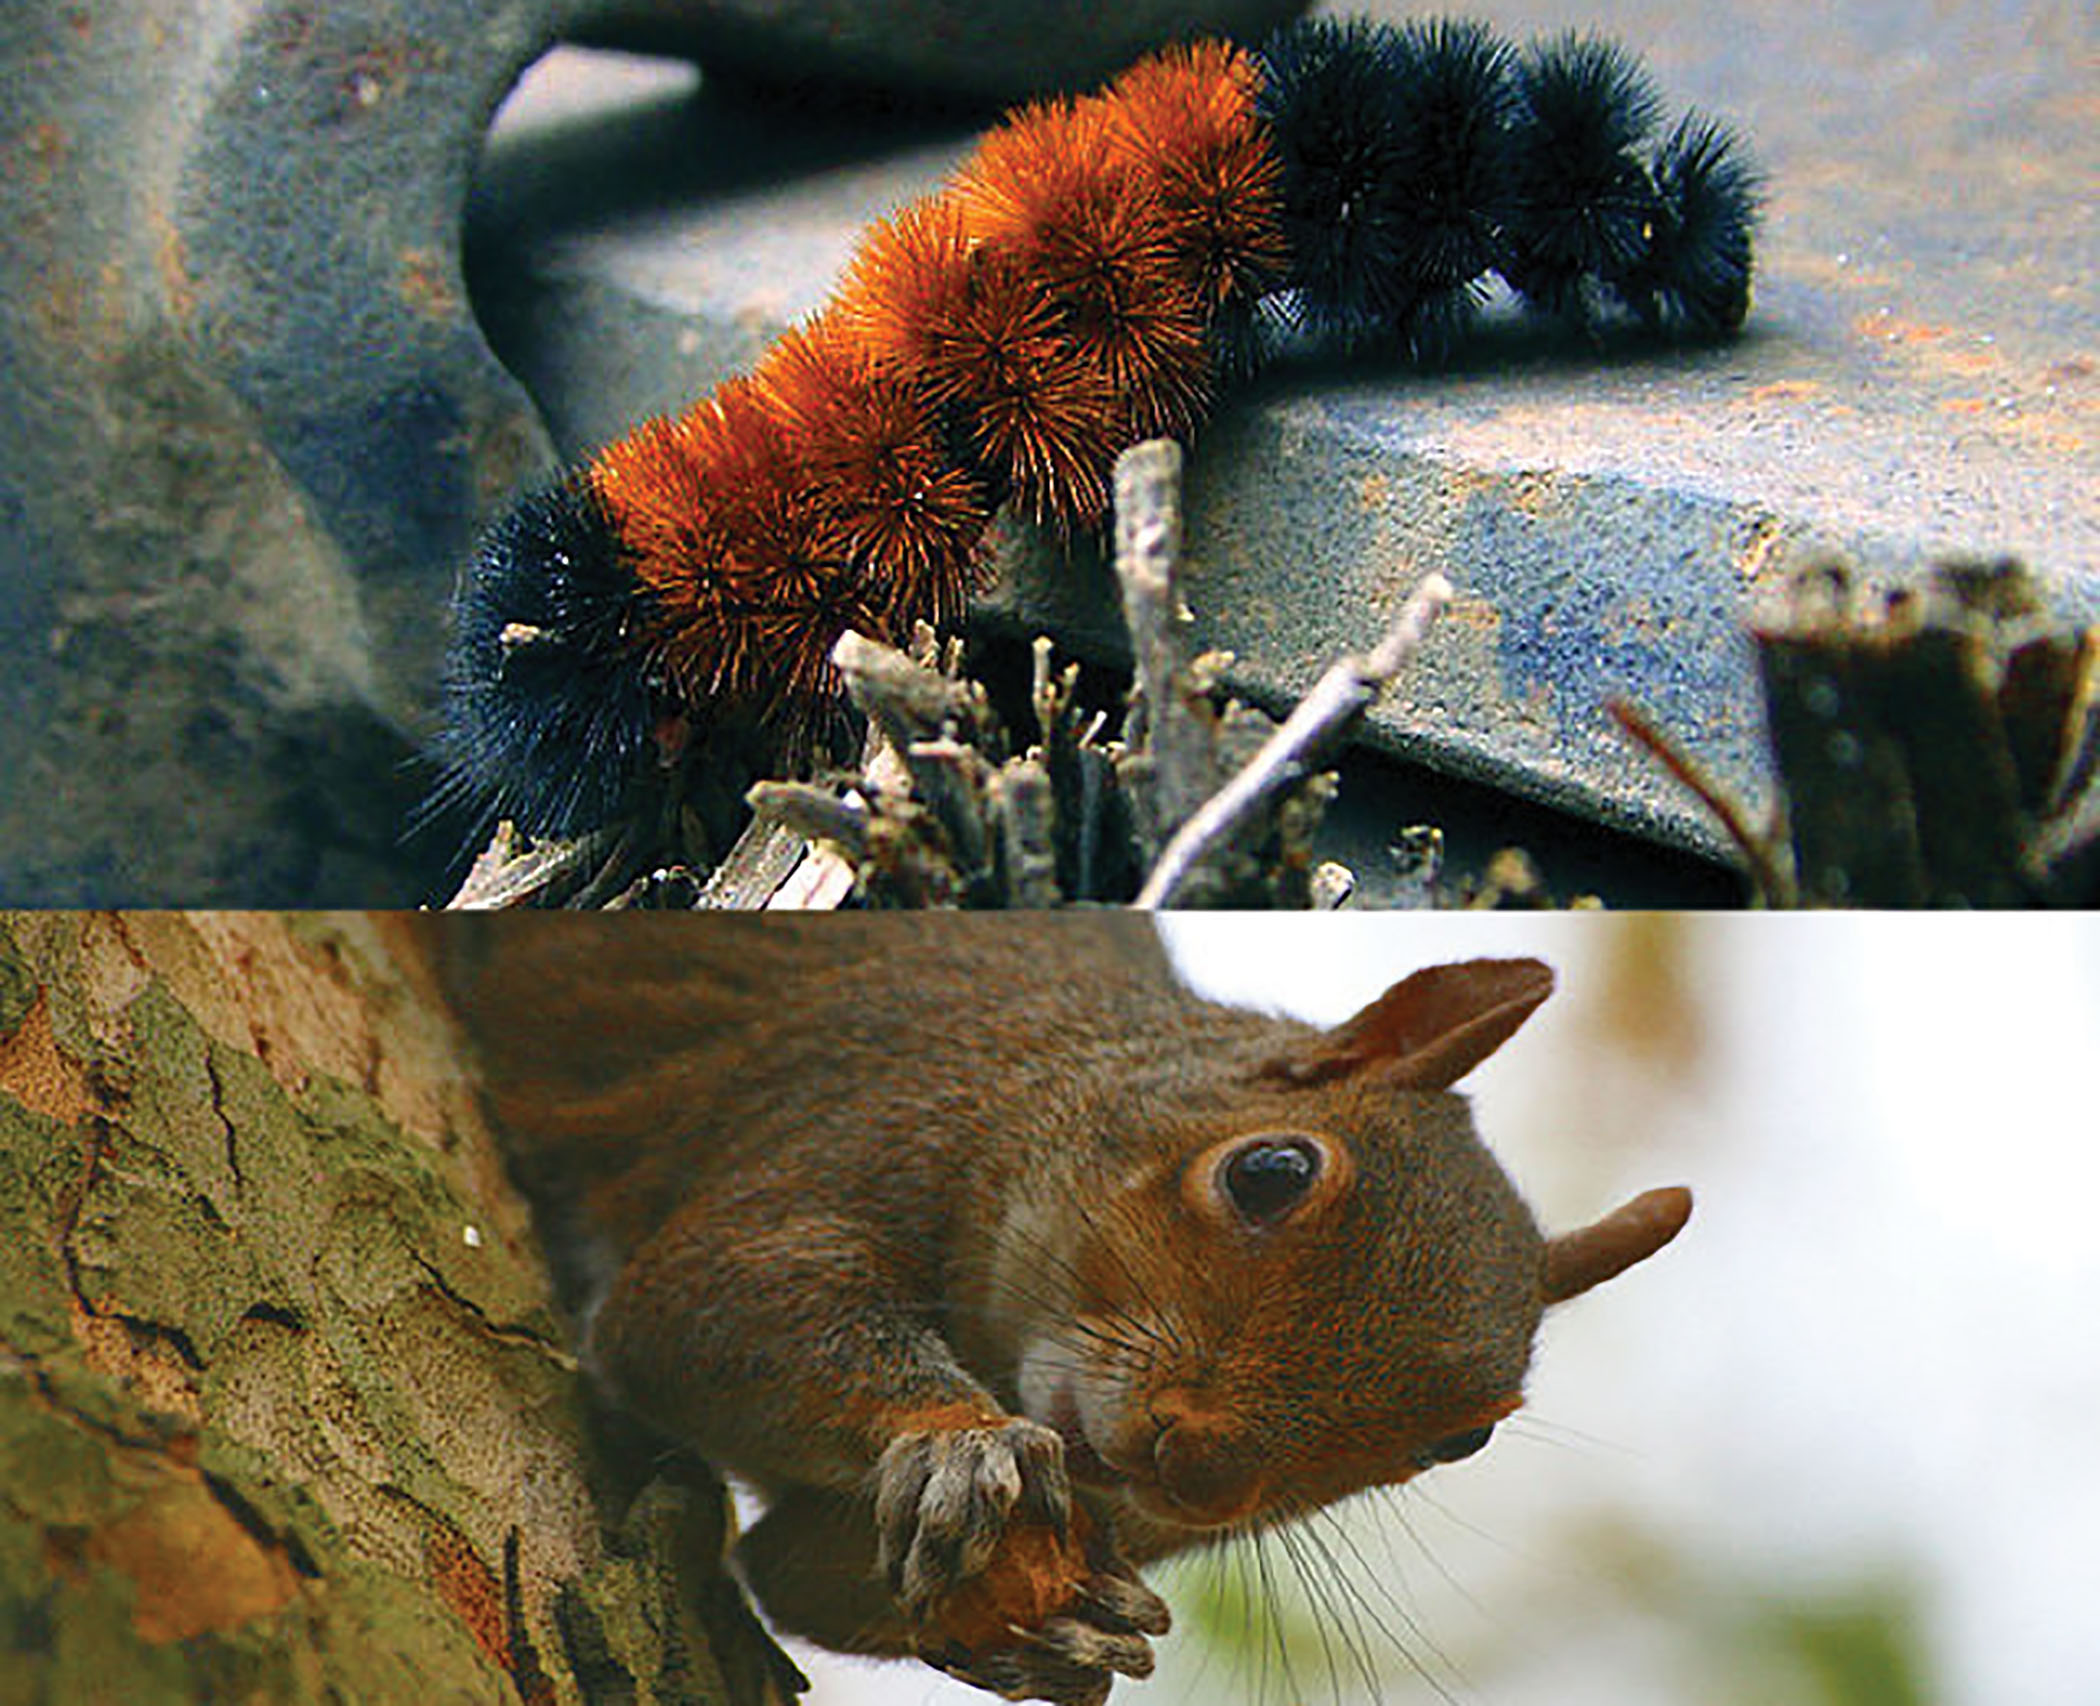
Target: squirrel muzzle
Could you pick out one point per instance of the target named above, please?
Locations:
(1207, 1469)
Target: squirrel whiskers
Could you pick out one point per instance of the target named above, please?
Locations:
(1093, 275)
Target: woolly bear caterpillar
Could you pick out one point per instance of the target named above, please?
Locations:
(1094, 274)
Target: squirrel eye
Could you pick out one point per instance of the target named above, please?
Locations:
(1459, 1445)
(1266, 1178)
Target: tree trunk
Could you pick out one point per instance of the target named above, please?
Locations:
(285, 1409)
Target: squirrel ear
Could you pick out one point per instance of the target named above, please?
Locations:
(1428, 1032)
(1631, 1233)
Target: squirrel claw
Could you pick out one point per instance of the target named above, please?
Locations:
(944, 1499)
(1125, 1606)
(1077, 1644)
(1068, 1661)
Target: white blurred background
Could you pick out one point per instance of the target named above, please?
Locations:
(1839, 1445)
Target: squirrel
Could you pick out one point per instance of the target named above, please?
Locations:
(1002, 1263)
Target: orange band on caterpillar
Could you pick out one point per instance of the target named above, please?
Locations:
(1095, 271)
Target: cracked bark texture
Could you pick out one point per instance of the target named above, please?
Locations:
(285, 1410)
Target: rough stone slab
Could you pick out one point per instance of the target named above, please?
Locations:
(248, 425)
(1919, 376)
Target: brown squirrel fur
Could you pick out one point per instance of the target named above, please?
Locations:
(1004, 1264)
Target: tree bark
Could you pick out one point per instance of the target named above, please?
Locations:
(286, 1412)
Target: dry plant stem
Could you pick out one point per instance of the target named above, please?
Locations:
(798, 832)
(783, 861)
(1332, 885)
(821, 882)
(1774, 887)
(1148, 561)
(504, 874)
(906, 699)
(1024, 808)
(796, 813)
(1177, 727)
(615, 871)
(1341, 695)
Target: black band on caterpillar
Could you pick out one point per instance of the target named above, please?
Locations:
(547, 702)
(1093, 274)
(1398, 170)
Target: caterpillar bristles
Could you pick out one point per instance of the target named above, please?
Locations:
(1096, 272)
(1584, 200)
(548, 702)
(1694, 276)
(1450, 115)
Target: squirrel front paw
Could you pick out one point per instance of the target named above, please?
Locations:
(1004, 1579)
(946, 1498)
(1071, 1659)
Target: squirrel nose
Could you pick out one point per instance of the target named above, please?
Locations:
(1204, 1463)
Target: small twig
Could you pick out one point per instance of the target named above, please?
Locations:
(1340, 695)
(812, 812)
(827, 832)
(1171, 715)
(1024, 812)
(906, 698)
(754, 869)
(820, 883)
(506, 873)
(1148, 563)
(1331, 885)
(1765, 874)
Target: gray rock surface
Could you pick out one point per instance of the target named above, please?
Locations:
(949, 50)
